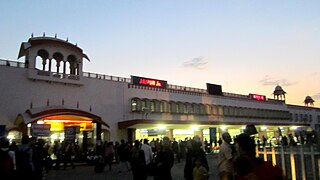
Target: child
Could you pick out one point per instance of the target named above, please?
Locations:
(199, 171)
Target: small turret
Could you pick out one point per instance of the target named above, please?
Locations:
(279, 93)
(308, 101)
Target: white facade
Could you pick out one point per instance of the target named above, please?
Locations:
(23, 87)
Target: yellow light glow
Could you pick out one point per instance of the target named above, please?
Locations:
(195, 127)
(223, 128)
(54, 136)
(263, 128)
(162, 127)
(79, 121)
(294, 127)
(10, 137)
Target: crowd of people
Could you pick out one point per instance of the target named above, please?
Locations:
(33, 158)
(238, 161)
(154, 158)
(142, 157)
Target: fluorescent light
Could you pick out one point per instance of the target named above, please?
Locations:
(162, 127)
(223, 128)
(40, 122)
(195, 127)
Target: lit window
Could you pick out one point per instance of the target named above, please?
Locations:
(134, 105)
(162, 106)
(178, 108)
(152, 106)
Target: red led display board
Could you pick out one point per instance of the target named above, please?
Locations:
(258, 97)
(148, 82)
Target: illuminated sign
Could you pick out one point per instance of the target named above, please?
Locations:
(258, 97)
(148, 82)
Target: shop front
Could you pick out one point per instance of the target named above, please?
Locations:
(207, 131)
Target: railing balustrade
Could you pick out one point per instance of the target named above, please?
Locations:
(297, 162)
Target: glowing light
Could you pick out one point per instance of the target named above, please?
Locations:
(40, 122)
(162, 127)
(294, 127)
(10, 137)
(195, 127)
(223, 128)
(243, 127)
(263, 128)
(54, 136)
(66, 121)
(29, 125)
(258, 97)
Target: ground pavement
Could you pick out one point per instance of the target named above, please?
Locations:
(85, 172)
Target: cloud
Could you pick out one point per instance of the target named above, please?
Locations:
(268, 81)
(316, 96)
(197, 63)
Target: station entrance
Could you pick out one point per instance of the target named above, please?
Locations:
(61, 124)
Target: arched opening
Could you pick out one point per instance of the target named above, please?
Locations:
(58, 65)
(52, 124)
(44, 62)
(73, 65)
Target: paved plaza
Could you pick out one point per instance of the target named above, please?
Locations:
(85, 172)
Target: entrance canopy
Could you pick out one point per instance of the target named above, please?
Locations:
(61, 113)
(179, 124)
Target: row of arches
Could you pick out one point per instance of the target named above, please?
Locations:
(69, 63)
(163, 106)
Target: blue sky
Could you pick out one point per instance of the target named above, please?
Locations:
(247, 46)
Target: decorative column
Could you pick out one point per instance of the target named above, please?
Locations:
(58, 66)
(64, 67)
(44, 62)
(50, 60)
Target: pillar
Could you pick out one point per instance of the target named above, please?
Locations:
(98, 132)
(85, 141)
(169, 133)
(131, 134)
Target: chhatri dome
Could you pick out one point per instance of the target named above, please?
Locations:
(308, 101)
(279, 93)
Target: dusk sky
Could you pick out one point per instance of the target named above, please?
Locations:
(247, 46)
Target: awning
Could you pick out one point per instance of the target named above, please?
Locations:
(35, 114)
(184, 124)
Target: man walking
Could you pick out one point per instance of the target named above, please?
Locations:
(225, 158)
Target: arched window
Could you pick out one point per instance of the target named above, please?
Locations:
(220, 110)
(202, 109)
(178, 109)
(185, 108)
(134, 104)
(58, 58)
(72, 60)
(144, 105)
(215, 110)
(162, 106)
(42, 62)
(195, 109)
(208, 109)
(226, 110)
(152, 106)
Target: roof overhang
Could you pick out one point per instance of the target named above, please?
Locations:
(35, 114)
(185, 124)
